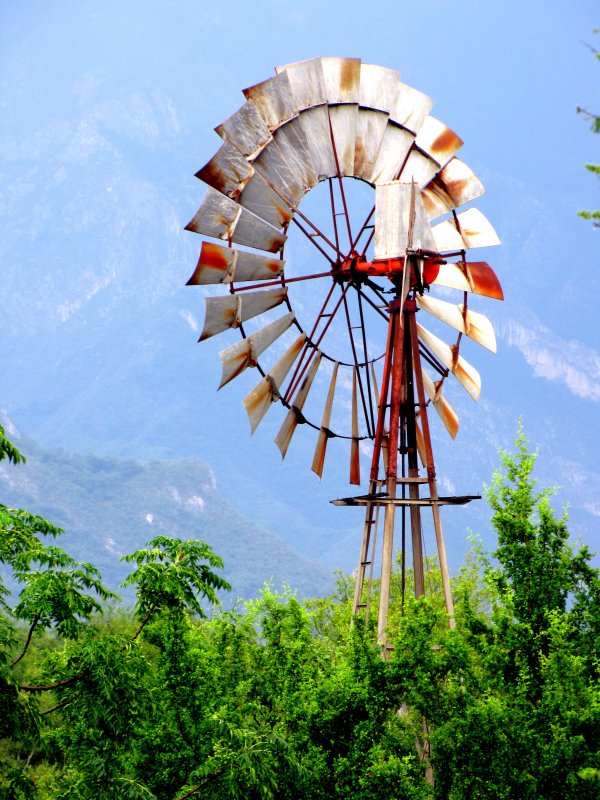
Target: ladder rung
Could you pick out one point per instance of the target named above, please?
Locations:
(365, 563)
(412, 480)
(361, 605)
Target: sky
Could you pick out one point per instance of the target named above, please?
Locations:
(507, 76)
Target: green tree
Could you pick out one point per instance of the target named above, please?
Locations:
(594, 120)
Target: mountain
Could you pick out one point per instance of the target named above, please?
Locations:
(109, 507)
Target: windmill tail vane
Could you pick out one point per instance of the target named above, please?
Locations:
(323, 122)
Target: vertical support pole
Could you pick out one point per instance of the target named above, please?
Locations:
(433, 492)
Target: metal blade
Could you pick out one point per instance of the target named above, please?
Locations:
(307, 82)
(474, 325)
(370, 127)
(279, 170)
(420, 444)
(441, 405)
(245, 353)
(344, 120)
(246, 131)
(394, 202)
(294, 415)
(234, 309)
(434, 145)
(341, 77)
(410, 107)
(261, 200)
(273, 100)
(219, 264)
(259, 400)
(355, 447)
(296, 148)
(325, 433)
(378, 87)
(315, 124)
(475, 276)
(394, 147)
(452, 187)
(227, 171)
(469, 229)
(464, 372)
(222, 218)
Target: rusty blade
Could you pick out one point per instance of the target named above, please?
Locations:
(394, 203)
(394, 147)
(465, 373)
(434, 145)
(469, 229)
(370, 127)
(245, 353)
(296, 148)
(234, 309)
(294, 415)
(261, 200)
(441, 405)
(344, 120)
(222, 218)
(450, 188)
(410, 107)
(475, 276)
(258, 401)
(325, 432)
(315, 124)
(474, 325)
(218, 264)
(273, 100)
(281, 173)
(341, 78)
(307, 82)
(245, 130)
(227, 171)
(355, 446)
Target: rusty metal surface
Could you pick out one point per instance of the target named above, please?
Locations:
(281, 174)
(470, 229)
(259, 400)
(464, 372)
(293, 417)
(307, 82)
(344, 120)
(341, 77)
(232, 310)
(252, 231)
(296, 148)
(219, 264)
(261, 200)
(453, 186)
(324, 432)
(370, 127)
(437, 140)
(245, 130)
(227, 171)
(245, 353)
(410, 107)
(393, 220)
(473, 324)
(216, 217)
(445, 411)
(315, 124)
(274, 100)
(475, 276)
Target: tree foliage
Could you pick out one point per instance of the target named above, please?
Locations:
(284, 699)
(594, 121)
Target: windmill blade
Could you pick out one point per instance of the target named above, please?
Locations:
(297, 150)
(222, 218)
(219, 264)
(474, 325)
(282, 174)
(294, 415)
(325, 433)
(232, 310)
(315, 124)
(468, 229)
(434, 145)
(245, 353)
(421, 450)
(258, 197)
(344, 120)
(307, 82)
(441, 405)
(341, 78)
(273, 100)
(259, 400)
(475, 276)
(246, 131)
(355, 446)
(450, 188)
(394, 203)
(227, 171)
(370, 127)
(395, 146)
(410, 107)
(464, 372)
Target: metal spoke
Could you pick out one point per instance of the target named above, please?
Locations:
(360, 385)
(283, 280)
(339, 176)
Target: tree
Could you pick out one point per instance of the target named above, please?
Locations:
(594, 120)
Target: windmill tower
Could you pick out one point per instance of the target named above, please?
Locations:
(323, 122)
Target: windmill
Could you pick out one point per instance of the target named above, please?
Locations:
(320, 123)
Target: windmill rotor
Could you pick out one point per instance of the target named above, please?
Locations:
(324, 122)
